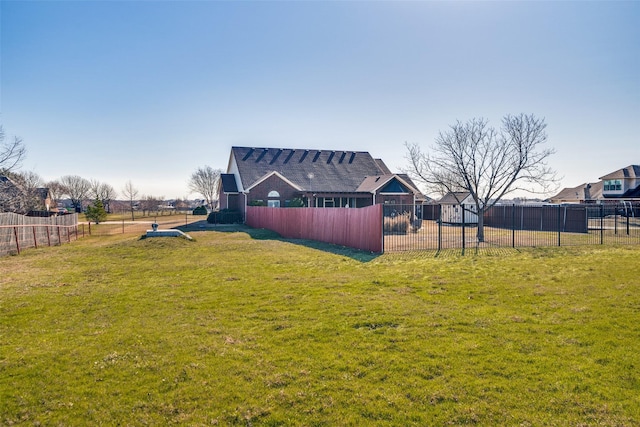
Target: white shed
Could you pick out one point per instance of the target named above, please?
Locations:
(451, 208)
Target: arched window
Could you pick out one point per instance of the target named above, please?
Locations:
(273, 194)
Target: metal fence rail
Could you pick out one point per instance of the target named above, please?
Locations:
(431, 227)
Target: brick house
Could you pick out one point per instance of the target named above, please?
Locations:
(313, 178)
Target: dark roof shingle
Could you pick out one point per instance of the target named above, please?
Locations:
(312, 170)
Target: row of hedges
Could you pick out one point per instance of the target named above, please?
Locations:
(225, 216)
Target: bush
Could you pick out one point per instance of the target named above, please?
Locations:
(95, 212)
(296, 203)
(200, 210)
(257, 203)
(225, 216)
(397, 224)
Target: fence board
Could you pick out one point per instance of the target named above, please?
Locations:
(18, 232)
(356, 228)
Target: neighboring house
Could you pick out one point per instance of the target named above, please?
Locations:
(583, 193)
(314, 178)
(15, 198)
(623, 184)
(452, 206)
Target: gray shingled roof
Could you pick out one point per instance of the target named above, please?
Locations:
(576, 194)
(312, 170)
(632, 171)
(454, 198)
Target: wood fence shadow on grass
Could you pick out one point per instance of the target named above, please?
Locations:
(264, 234)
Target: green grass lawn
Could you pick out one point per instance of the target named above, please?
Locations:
(237, 329)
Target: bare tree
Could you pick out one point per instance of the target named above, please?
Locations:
(21, 192)
(56, 191)
(33, 194)
(10, 194)
(206, 182)
(94, 188)
(130, 193)
(487, 163)
(77, 189)
(148, 204)
(11, 153)
(103, 192)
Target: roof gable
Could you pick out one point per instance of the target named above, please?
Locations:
(454, 198)
(229, 184)
(310, 170)
(274, 173)
(577, 194)
(394, 186)
(391, 183)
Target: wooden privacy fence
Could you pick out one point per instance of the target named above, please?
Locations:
(355, 228)
(569, 218)
(18, 232)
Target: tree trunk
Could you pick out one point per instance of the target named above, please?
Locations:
(480, 225)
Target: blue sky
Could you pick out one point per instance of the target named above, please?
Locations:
(148, 91)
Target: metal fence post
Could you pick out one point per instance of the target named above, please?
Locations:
(601, 224)
(35, 238)
(439, 228)
(513, 225)
(559, 222)
(463, 229)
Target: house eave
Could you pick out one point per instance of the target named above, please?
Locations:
(269, 175)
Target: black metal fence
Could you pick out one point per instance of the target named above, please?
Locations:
(440, 227)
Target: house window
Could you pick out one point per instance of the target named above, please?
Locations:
(613, 185)
(335, 202)
(273, 203)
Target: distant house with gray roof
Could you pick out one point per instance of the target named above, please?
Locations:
(622, 184)
(280, 177)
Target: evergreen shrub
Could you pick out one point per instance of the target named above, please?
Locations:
(225, 216)
(200, 210)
